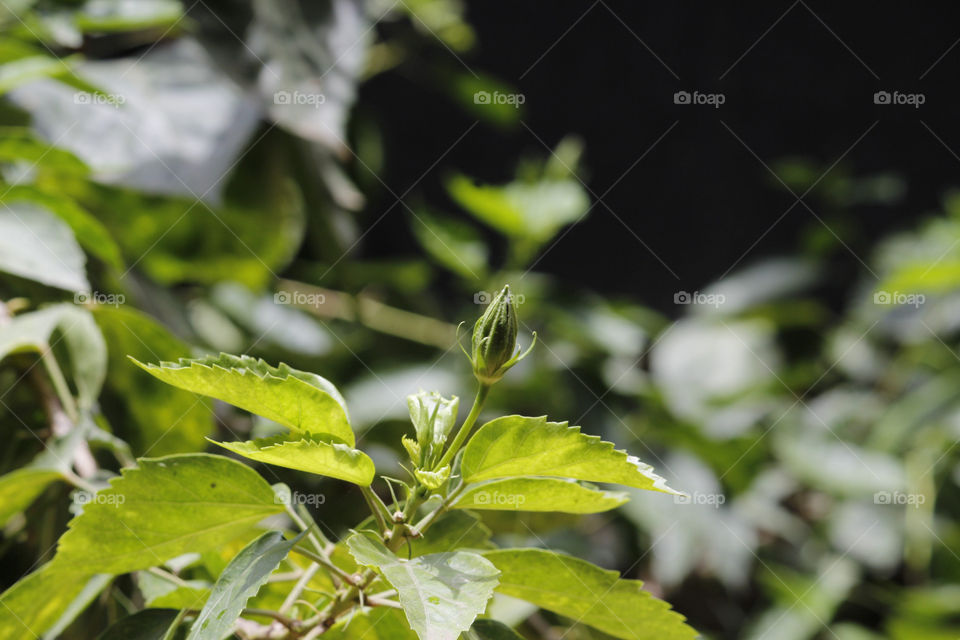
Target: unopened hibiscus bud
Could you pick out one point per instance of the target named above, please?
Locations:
(495, 339)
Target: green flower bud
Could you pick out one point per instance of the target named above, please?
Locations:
(433, 417)
(495, 339)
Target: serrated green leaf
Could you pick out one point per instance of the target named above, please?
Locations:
(239, 582)
(486, 629)
(18, 490)
(308, 452)
(164, 508)
(577, 589)
(433, 479)
(149, 624)
(539, 494)
(441, 593)
(516, 446)
(91, 589)
(296, 399)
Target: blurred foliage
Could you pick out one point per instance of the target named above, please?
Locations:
(187, 178)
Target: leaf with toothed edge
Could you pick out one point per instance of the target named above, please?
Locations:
(313, 453)
(576, 589)
(538, 494)
(296, 399)
(441, 593)
(517, 446)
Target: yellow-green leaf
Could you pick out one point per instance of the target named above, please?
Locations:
(308, 452)
(538, 494)
(296, 399)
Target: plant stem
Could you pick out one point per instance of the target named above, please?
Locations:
(467, 425)
(298, 588)
(60, 385)
(321, 559)
(373, 501)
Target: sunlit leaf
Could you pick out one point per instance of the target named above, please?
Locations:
(308, 452)
(577, 589)
(514, 446)
(538, 494)
(441, 593)
(162, 509)
(297, 399)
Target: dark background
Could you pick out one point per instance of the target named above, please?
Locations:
(699, 199)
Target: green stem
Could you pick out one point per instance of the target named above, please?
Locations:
(467, 425)
(60, 385)
(325, 562)
(375, 504)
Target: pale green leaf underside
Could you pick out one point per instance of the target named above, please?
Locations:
(296, 399)
(539, 494)
(164, 508)
(516, 446)
(18, 489)
(310, 453)
(441, 593)
(579, 590)
(239, 582)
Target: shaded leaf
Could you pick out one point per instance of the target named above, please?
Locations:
(37, 602)
(485, 629)
(152, 416)
(149, 624)
(18, 490)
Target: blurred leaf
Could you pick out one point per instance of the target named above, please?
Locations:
(454, 245)
(19, 488)
(152, 416)
(38, 601)
(83, 340)
(36, 245)
(20, 145)
(149, 624)
(89, 232)
(492, 630)
(127, 15)
(534, 212)
(487, 98)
